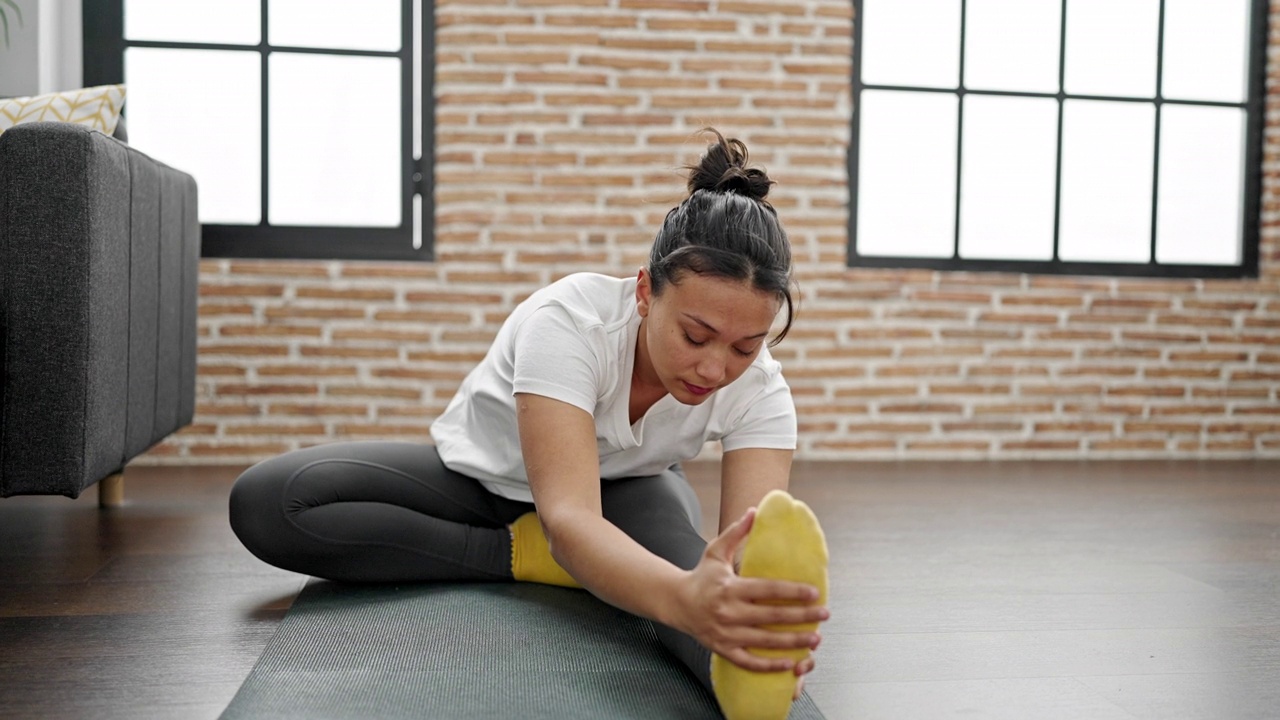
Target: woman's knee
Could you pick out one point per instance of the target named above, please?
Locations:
(655, 499)
(659, 512)
(256, 509)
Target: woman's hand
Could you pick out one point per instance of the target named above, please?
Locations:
(726, 612)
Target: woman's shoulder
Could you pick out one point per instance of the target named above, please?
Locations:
(590, 297)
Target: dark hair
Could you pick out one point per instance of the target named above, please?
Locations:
(725, 228)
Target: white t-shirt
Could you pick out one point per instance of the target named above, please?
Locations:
(575, 341)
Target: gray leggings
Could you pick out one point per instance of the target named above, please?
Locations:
(392, 512)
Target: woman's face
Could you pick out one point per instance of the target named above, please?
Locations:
(700, 334)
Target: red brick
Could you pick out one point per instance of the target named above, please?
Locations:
(982, 426)
(855, 445)
(1040, 444)
(306, 370)
(1092, 318)
(1072, 426)
(274, 429)
(220, 371)
(241, 290)
(227, 389)
(233, 331)
(1254, 376)
(949, 446)
(206, 348)
(318, 409)
(1103, 370)
(929, 408)
(1126, 444)
(891, 428)
(969, 389)
(381, 353)
(371, 391)
(1130, 303)
(875, 391)
(904, 370)
(624, 62)
(1195, 320)
(951, 298)
(1147, 390)
(218, 409)
(1231, 392)
(333, 293)
(1140, 426)
(210, 309)
(1027, 408)
(382, 430)
(1182, 373)
(253, 449)
(331, 312)
(1214, 409)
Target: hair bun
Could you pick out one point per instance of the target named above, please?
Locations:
(723, 168)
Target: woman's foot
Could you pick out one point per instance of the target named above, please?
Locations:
(785, 543)
(531, 559)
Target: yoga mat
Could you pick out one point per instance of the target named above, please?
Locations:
(461, 651)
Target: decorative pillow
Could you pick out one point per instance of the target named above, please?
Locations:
(95, 107)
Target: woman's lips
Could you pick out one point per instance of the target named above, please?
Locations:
(696, 389)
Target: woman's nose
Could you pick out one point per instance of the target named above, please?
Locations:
(711, 368)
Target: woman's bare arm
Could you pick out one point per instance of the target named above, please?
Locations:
(723, 611)
(746, 476)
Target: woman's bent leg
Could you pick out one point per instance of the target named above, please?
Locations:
(661, 513)
(373, 512)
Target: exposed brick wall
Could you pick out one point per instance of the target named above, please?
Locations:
(560, 130)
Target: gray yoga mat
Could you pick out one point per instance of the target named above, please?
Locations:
(462, 651)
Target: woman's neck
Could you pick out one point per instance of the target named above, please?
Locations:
(646, 387)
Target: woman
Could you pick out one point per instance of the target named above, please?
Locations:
(557, 460)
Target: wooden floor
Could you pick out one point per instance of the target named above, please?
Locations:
(1011, 590)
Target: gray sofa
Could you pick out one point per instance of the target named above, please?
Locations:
(99, 252)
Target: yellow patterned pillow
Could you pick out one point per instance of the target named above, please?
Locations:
(96, 107)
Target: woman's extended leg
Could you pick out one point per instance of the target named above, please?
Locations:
(373, 511)
(661, 513)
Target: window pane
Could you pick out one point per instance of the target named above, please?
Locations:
(907, 174)
(201, 111)
(227, 21)
(334, 146)
(1112, 47)
(367, 25)
(1008, 174)
(1206, 50)
(1107, 168)
(1012, 45)
(1198, 217)
(911, 42)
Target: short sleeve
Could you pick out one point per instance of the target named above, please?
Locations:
(554, 358)
(769, 420)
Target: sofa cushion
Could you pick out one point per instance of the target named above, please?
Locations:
(95, 107)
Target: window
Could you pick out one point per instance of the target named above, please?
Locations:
(301, 120)
(1058, 136)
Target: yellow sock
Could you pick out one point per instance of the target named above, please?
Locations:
(531, 559)
(785, 543)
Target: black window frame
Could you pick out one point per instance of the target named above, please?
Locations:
(104, 49)
(1254, 107)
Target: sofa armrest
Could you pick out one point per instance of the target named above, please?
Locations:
(99, 248)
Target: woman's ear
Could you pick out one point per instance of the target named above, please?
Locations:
(644, 292)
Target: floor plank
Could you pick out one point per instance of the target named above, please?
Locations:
(994, 590)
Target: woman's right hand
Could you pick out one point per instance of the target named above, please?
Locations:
(726, 612)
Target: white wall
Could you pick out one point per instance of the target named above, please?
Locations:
(44, 53)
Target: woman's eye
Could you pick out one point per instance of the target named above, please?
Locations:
(693, 342)
(743, 354)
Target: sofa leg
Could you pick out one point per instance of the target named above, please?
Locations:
(111, 491)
